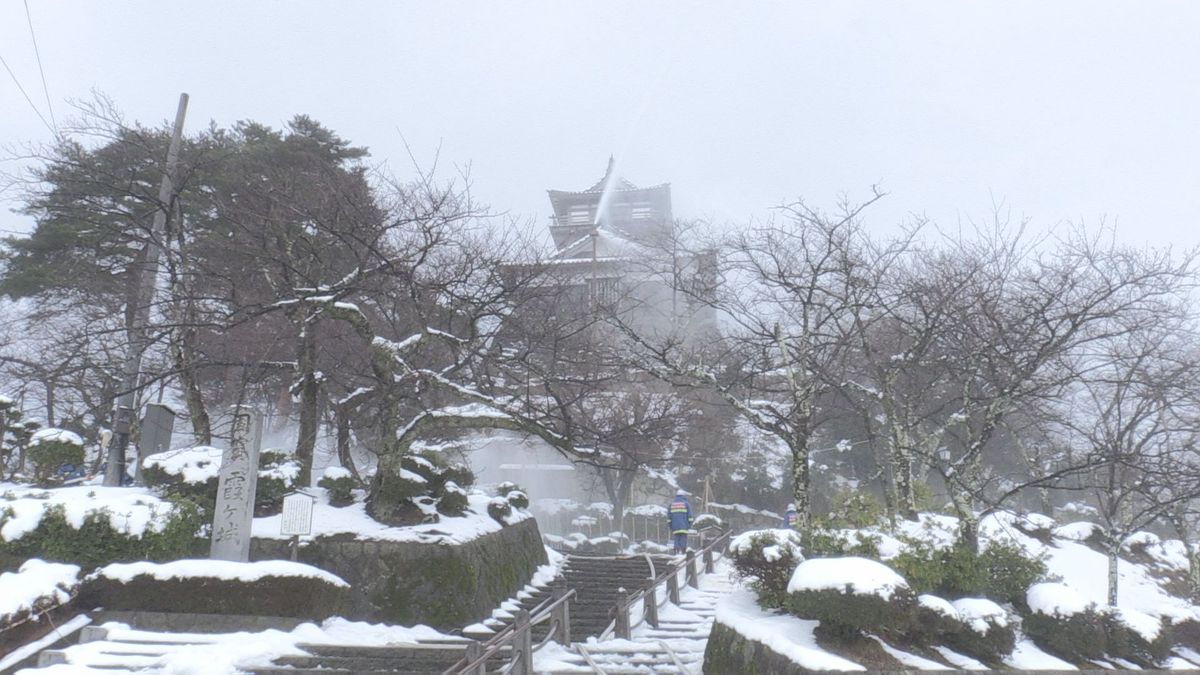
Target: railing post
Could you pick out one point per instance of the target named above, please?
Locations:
(474, 651)
(692, 579)
(562, 615)
(673, 587)
(621, 626)
(708, 561)
(522, 644)
(650, 603)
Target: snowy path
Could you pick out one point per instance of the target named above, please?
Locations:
(676, 646)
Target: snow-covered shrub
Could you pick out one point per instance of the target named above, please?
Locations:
(499, 509)
(822, 543)
(851, 595)
(453, 500)
(194, 474)
(1063, 623)
(457, 472)
(339, 483)
(35, 587)
(853, 509)
(706, 521)
(93, 539)
(52, 448)
(766, 559)
(505, 487)
(518, 499)
(986, 632)
(1137, 636)
(1003, 571)
(277, 474)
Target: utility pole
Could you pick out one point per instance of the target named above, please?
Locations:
(114, 469)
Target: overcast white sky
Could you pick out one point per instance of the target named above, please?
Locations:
(1064, 111)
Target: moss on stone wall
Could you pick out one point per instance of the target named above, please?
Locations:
(435, 584)
(730, 653)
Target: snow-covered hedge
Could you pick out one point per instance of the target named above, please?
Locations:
(267, 588)
(92, 526)
(766, 559)
(1062, 622)
(194, 473)
(974, 626)
(1065, 623)
(52, 448)
(35, 587)
(339, 483)
(987, 632)
(851, 595)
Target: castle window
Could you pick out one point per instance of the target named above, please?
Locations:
(581, 215)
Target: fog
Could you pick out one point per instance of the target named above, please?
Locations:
(1067, 111)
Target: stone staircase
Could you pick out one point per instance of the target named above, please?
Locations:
(597, 581)
(428, 659)
(675, 646)
(129, 650)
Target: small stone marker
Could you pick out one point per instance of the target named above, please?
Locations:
(236, 487)
(154, 435)
(297, 518)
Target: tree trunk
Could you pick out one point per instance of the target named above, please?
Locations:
(906, 496)
(1193, 554)
(801, 483)
(1113, 564)
(306, 441)
(181, 351)
(342, 422)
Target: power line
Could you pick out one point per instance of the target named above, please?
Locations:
(27, 99)
(38, 54)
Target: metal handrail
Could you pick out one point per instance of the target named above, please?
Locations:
(630, 600)
(505, 637)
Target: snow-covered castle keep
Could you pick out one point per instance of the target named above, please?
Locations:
(618, 248)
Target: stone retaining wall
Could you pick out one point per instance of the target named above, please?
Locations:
(438, 585)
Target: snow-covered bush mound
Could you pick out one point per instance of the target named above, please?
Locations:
(267, 588)
(339, 483)
(854, 594)
(92, 526)
(50, 449)
(851, 576)
(989, 634)
(1081, 531)
(194, 473)
(35, 587)
(1065, 623)
(766, 558)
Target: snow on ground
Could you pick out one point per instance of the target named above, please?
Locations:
(1028, 656)
(788, 635)
(960, 661)
(1085, 571)
(861, 576)
(353, 519)
(36, 580)
(909, 660)
(132, 511)
(219, 569)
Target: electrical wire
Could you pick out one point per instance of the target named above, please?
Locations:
(27, 99)
(41, 71)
